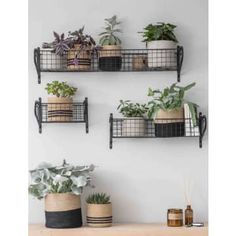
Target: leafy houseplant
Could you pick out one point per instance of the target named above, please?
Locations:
(82, 45)
(160, 39)
(134, 124)
(166, 108)
(99, 210)
(61, 187)
(60, 106)
(110, 54)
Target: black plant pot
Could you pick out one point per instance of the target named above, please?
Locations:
(110, 63)
(176, 129)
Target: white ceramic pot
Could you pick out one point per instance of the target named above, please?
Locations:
(133, 126)
(51, 61)
(161, 58)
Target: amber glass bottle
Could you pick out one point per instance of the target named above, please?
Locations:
(188, 215)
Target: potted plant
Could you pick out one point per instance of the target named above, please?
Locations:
(160, 41)
(82, 45)
(54, 54)
(110, 53)
(99, 210)
(134, 124)
(61, 187)
(60, 106)
(167, 110)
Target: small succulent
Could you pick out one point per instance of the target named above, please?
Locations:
(60, 89)
(129, 109)
(98, 198)
(60, 44)
(108, 37)
(66, 178)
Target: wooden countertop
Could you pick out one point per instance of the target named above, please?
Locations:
(120, 230)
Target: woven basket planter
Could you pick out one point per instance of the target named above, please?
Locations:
(139, 63)
(99, 215)
(63, 210)
(110, 58)
(134, 126)
(79, 60)
(170, 123)
(60, 109)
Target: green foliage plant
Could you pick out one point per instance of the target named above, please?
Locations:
(98, 198)
(66, 178)
(60, 89)
(159, 31)
(171, 98)
(108, 37)
(129, 109)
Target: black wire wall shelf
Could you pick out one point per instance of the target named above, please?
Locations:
(162, 128)
(122, 60)
(76, 112)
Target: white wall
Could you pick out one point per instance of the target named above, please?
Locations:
(144, 177)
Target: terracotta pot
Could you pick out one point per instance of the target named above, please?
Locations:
(78, 59)
(63, 210)
(60, 109)
(170, 123)
(110, 58)
(161, 58)
(99, 215)
(133, 126)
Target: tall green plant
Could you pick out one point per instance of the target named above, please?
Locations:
(171, 98)
(98, 198)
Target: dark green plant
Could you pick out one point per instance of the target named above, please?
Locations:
(129, 109)
(159, 31)
(108, 37)
(171, 98)
(98, 198)
(60, 89)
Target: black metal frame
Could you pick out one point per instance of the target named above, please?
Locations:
(79, 109)
(127, 56)
(115, 124)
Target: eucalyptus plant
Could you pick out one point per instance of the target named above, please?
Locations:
(66, 178)
(60, 89)
(171, 98)
(98, 198)
(159, 31)
(108, 37)
(129, 109)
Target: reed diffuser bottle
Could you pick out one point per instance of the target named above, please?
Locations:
(188, 215)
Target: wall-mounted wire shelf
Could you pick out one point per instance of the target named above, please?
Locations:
(162, 128)
(76, 112)
(123, 60)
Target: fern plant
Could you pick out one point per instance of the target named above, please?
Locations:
(108, 37)
(98, 198)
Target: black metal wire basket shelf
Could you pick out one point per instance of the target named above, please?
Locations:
(162, 128)
(76, 112)
(122, 60)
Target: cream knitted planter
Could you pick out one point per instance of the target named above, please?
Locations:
(133, 126)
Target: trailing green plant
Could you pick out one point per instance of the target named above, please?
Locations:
(98, 198)
(129, 109)
(171, 98)
(66, 178)
(159, 31)
(60, 89)
(108, 37)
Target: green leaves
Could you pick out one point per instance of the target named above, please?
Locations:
(159, 31)
(60, 89)
(128, 109)
(98, 198)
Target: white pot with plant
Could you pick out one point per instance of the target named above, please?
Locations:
(161, 44)
(53, 56)
(60, 105)
(81, 49)
(134, 123)
(110, 54)
(60, 187)
(167, 110)
(99, 210)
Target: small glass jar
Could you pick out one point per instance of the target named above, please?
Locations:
(175, 217)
